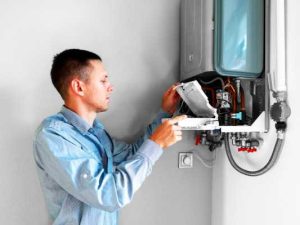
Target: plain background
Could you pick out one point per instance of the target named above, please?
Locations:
(139, 43)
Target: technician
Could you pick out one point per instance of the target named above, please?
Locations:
(86, 175)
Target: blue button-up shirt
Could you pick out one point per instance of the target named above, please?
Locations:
(87, 176)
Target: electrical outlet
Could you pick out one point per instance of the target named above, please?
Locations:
(185, 160)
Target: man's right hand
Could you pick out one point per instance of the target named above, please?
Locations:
(168, 133)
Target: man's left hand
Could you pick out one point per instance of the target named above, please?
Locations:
(170, 100)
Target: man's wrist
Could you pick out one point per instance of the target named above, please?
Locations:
(167, 112)
(157, 142)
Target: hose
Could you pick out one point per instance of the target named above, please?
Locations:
(273, 159)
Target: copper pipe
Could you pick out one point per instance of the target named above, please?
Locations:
(243, 108)
(232, 92)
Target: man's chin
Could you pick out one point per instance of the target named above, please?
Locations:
(102, 110)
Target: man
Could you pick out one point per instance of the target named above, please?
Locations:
(87, 176)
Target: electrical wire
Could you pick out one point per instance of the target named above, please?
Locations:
(182, 102)
(213, 80)
(205, 162)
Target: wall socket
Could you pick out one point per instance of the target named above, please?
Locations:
(185, 160)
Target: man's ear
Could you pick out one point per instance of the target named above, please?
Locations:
(77, 86)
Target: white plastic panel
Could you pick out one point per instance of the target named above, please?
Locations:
(278, 45)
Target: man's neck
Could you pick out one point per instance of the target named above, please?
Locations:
(83, 112)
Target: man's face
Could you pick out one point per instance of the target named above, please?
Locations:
(97, 88)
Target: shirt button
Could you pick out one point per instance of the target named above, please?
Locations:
(85, 176)
(91, 130)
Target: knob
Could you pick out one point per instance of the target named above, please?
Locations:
(187, 160)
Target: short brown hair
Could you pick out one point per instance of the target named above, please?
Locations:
(70, 63)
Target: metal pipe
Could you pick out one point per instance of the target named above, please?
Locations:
(273, 159)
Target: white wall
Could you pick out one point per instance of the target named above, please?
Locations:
(273, 198)
(139, 42)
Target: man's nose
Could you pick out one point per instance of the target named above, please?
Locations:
(110, 88)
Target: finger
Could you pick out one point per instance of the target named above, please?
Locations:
(177, 118)
(173, 92)
(178, 133)
(176, 85)
(178, 138)
(171, 88)
(175, 127)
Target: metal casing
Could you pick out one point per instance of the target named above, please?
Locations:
(196, 37)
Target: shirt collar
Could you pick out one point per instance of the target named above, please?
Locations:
(78, 122)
